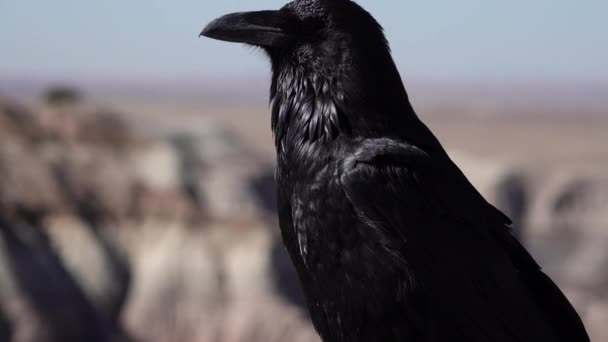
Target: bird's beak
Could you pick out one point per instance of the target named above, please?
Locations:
(261, 28)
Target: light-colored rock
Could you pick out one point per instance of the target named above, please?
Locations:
(247, 265)
(587, 267)
(262, 321)
(596, 321)
(18, 123)
(572, 201)
(157, 166)
(26, 181)
(219, 171)
(104, 127)
(175, 278)
(96, 181)
(95, 261)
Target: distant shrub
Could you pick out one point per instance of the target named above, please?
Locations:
(60, 95)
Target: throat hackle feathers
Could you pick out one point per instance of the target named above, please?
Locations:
(304, 108)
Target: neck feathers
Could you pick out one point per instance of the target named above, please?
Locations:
(313, 104)
(304, 109)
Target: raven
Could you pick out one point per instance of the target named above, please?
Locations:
(390, 240)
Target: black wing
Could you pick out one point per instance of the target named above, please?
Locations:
(481, 284)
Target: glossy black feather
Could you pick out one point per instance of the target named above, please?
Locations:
(390, 240)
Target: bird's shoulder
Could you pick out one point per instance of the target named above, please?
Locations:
(410, 172)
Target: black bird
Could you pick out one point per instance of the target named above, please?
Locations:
(390, 240)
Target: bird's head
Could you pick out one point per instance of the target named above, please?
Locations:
(307, 32)
(332, 68)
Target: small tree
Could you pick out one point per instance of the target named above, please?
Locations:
(62, 95)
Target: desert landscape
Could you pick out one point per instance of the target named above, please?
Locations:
(130, 218)
(137, 192)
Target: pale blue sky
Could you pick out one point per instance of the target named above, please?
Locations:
(440, 39)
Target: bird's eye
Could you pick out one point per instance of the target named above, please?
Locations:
(305, 28)
(314, 24)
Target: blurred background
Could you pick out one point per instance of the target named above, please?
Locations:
(136, 160)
